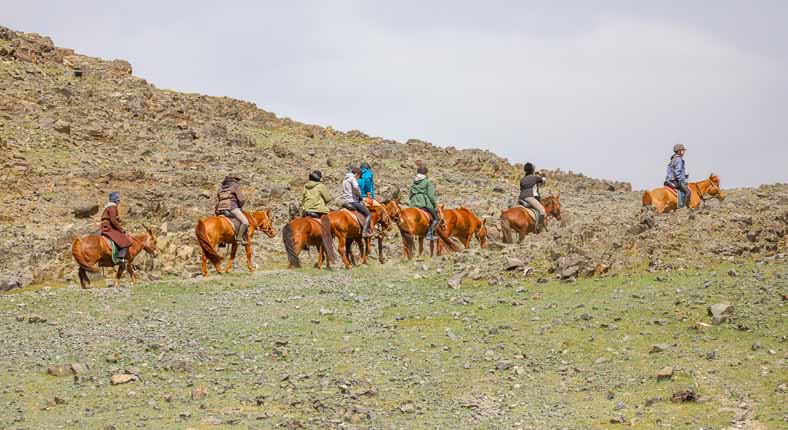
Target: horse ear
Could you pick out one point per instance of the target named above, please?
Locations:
(268, 212)
(441, 206)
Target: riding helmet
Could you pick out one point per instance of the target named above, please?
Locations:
(529, 168)
(679, 147)
(316, 176)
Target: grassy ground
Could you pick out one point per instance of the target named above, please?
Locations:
(395, 347)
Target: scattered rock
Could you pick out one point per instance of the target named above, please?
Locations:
(123, 378)
(720, 313)
(665, 373)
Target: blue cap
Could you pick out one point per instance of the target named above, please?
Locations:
(114, 197)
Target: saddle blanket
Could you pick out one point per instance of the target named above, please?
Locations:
(113, 247)
(234, 222)
(426, 212)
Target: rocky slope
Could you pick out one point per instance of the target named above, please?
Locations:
(73, 128)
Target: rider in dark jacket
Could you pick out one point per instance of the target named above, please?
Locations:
(231, 202)
(529, 194)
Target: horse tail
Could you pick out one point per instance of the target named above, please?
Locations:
(506, 229)
(206, 245)
(328, 238)
(647, 198)
(287, 238)
(79, 256)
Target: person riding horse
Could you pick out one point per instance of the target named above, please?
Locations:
(230, 204)
(422, 196)
(112, 227)
(351, 198)
(529, 194)
(315, 196)
(676, 176)
(366, 184)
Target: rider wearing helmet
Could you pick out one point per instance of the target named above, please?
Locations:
(351, 197)
(677, 174)
(529, 194)
(230, 204)
(422, 195)
(315, 196)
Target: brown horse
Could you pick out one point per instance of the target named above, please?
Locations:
(89, 250)
(213, 230)
(521, 220)
(665, 200)
(344, 226)
(302, 233)
(463, 224)
(414, 223)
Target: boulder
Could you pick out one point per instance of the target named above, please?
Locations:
(720, 312)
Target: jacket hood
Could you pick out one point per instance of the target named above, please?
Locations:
(229, 180)
(350, 175)
(109, 204)
(419, 177)
(311, 184)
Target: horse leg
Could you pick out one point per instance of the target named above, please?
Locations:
(468, 241)
(319, 264)
(421, 245)
(249, 256)
(381, 259)
(432, 248)
(343, 250)
(118, 275)
(233, 251)
(204, 265)
(521, 234)
(83, 277)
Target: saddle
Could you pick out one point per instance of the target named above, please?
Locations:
(314, 220)
(528, 211)
(426, 212)
(676, 192)
(234, 222)
(358, 216)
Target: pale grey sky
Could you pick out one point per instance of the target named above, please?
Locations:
(600, 87)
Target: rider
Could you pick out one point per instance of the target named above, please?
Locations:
(422, 195)
(529, 193)
(112, 227)
(351, 197)
(677, 173)
(231, 203)
(315, 196)
(366, 183)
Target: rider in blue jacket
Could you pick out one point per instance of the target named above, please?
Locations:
(366, 183)
(677, 174)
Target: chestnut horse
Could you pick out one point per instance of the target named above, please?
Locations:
(463, 224)
(521, 220)
(665, 200)
(89, 250)
(213, 230)
(302, 233)
(414, 223)
(344, 226)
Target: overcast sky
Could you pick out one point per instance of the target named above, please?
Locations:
(604, 88)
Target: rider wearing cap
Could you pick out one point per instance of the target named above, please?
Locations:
(422, 195)
(677, 174)
(231, 202)
(315, 196)
(112, 227)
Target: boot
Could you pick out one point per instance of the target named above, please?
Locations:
(431, 231)
(539, 223)
(240, 235)
(365, 230)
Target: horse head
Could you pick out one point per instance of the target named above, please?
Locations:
(264, 222)
(392, 209)
(713, 189)
(441, 216)
(379, 213)
(148, 240)
(552, 205)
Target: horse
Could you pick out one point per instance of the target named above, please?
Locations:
(302, 233)
(89, 250)
(344, 225)
(463, 224)
(665, 200)
(414, 223)
(521, 220)
(213, 230)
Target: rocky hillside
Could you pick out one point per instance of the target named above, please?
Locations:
(74, 128)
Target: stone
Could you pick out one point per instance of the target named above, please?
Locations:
(87, 211)
(407, 408)
(720, 313)
(60, 371)
(665, 373)
(123, 378)
(660, 347)
(61, 126)
(513, 263)
(199, 393)
(456, 281)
